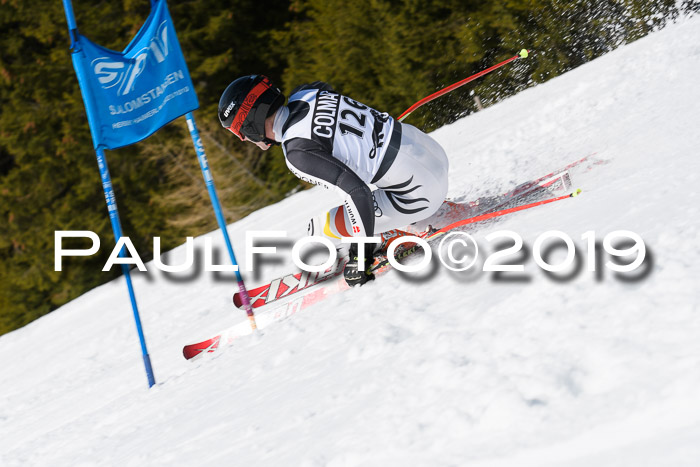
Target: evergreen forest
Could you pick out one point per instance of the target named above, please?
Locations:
(387, 54)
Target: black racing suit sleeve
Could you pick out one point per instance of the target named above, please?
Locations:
(315, 85)
(310, 158)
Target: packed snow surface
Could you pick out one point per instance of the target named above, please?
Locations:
(454, 369)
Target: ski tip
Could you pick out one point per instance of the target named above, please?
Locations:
(524, 53)
(576, 193)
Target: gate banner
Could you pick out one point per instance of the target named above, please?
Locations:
(129, 95)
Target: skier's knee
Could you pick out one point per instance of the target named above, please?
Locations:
(331, 224)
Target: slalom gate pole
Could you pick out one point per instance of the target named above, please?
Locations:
(209, 180)
(117, 229)
(111, 201)
(502, 212)
(522, 54)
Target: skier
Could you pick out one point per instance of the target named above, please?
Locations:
(338, 143)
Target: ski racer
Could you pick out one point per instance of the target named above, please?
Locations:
(390, 174)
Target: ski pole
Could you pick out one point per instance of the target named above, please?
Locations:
(522, 54)
(502, 212)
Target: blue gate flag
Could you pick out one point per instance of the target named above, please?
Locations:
(129, 95)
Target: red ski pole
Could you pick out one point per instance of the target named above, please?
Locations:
(523, 54)
(502, 212)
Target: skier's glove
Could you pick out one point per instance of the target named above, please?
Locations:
(353, 276)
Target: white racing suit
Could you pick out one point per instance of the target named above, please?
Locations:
(338, 143)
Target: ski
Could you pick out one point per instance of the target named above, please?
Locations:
(291, 284)
(270, 314)
(515, 200)
(319, 294)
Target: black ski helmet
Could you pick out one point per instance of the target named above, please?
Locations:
(246, 103)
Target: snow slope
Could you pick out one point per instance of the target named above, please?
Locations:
(452, 370)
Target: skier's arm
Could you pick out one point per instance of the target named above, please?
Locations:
(311, 163)
(315, 85)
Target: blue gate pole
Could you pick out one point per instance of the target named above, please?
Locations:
(209, 180)
(113, 213)
(117, 229)
(70, 19)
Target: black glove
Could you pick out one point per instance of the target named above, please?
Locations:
(352, 274)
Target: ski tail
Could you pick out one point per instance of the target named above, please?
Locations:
(194, 350)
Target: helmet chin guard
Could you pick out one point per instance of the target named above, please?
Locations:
(246, 103)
